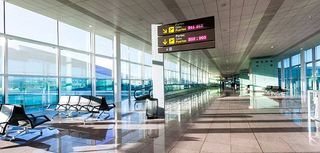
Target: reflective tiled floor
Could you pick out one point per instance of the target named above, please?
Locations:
(200, 122)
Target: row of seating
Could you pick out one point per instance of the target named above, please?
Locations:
(273, 90)
(86, 104)
(14, 115)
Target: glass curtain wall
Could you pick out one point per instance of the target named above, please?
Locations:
(309, 66)
(34, 75)
(136, 71)
(295, 74)
(286, 66)
(180, 74)
(279, 73)
(317, 58)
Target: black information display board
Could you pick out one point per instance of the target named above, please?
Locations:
(186, 35)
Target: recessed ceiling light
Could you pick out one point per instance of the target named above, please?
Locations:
(272, 46)
(90, 26)
(301, 48)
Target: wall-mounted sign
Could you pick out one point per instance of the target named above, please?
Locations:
(187, 35)
(187, 47)
(186, 26)
(186, 38)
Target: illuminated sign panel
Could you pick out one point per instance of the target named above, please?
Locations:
(186, 26)
(187, 47)
(187, 35)
(186, 38)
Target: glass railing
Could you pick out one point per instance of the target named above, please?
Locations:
(104, 87)
(31, 91)
(177, 87)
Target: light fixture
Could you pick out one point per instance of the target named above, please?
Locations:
(301, 48)
(90, 26)
(272, 46)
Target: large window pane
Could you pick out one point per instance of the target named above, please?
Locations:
(135, 71)
(279, 74)
(75, 64)
(317, 52)
(104, 46)
(124, 52)
(296, 71)
(125, 70)
(147, 59)
(75, 86)
(104, 67)
(318, 74)
(309, 76)
(1, 17)
(308, 55)
(135, 55)
(29, 91)
(147, 73)
(2, 55)
(73, 37)
(28, 58)
(27, 24)
(295, 60)
(1, 90)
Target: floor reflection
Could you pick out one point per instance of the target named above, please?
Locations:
(203, 122)
(134, 133)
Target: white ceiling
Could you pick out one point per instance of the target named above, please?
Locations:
(236, 22)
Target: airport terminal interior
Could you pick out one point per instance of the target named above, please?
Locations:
(159, 76)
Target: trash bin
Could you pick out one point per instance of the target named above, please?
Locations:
(152, 108)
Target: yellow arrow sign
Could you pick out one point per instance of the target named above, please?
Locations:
(165, 31)
(171, 41)
(171, 29)
(165, 42)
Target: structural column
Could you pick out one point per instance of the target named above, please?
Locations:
(314, 69)
(157, 71)
(117, 75)
(303, 80)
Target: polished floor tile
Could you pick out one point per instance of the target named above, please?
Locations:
(201, 122)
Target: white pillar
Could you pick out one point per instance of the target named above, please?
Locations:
(117, 75)
(158, 87)
(93, 64)
(314, 70)
(157, 71)
(303, 80)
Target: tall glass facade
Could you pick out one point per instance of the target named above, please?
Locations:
(286, 64)
(295, 74)
(308, 68)
(311, 67)
(47, 58)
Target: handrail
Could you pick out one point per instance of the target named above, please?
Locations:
(149, 92)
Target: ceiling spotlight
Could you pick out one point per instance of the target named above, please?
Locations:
(272, 46)
(90, 26)
(301, 48)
